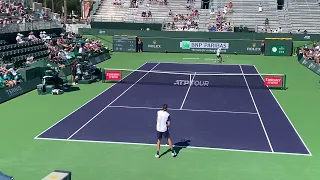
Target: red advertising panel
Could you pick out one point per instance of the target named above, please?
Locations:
(273, 81)
(113, 75)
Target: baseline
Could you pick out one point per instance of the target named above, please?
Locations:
(191, 147)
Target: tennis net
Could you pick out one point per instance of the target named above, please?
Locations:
(196, 79)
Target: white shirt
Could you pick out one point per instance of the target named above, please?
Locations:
(19, 39)
(162, 118)
(218, 52)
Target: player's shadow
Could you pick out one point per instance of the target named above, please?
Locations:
(178, 147)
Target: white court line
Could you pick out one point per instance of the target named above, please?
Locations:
(198, 72)
(190, 84)
(254, 103)
(190, 110)
(286, 115)
(191, 147)
(112, 102)
(85, 103)
(192, 63)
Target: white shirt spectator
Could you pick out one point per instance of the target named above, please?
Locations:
(162, 118)
(260, 8)
(12, 71)
(41, 35)
(19, 38)
(225, 9)
(31, 37)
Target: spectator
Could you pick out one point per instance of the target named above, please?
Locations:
(260, 7)
(19, 38)
(266, 22)
(212, 11)
(170, 13)
(230, 6)
(188, 5)
(9, 77)
(149, 14)
(225, 9)
(31, 36)
(143, 14)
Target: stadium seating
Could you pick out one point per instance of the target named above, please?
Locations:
(245, 14)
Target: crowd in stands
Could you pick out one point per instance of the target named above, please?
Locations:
(189, 21)
(9, 77)
(65, 48)
(311, 53)
(221, 24)
(16, 13)
(59, 50)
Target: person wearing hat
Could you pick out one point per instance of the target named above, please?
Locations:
(19, 38)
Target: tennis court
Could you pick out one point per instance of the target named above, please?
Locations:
(217, 111)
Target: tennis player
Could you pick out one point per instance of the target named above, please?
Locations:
(219, 55)
(163, 123)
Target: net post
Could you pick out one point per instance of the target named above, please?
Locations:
(190, 78)
(103, 75)
(284, 82)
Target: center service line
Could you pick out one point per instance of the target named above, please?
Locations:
(190, 84)
(112, 102)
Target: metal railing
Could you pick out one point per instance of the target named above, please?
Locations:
(124, 19)
(37, 25)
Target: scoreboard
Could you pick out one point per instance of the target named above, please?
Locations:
(124, 43)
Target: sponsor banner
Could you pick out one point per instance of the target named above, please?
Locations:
(189, 45)
(10, 93)
(113, 75)
(203, 45)
(273, 81)
(311, 65)
(278, 50)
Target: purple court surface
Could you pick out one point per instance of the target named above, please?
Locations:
(242, 118)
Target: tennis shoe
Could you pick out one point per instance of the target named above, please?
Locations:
(174, 154)
(157, 155)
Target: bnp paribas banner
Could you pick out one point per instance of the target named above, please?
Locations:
(310, 65)
(160, 44)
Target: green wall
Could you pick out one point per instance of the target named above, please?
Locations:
(122, 25)
(197, 35)
(188, 45)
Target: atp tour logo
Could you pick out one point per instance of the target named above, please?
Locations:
(193, 83)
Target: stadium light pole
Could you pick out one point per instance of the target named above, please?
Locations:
(52, 6)
(65, 11)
